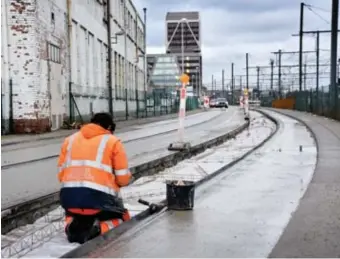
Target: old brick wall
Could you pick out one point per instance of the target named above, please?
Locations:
(35, 23)
(28, 110)
(31, 28)
(52, 27)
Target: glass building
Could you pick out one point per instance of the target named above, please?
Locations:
(164, 72)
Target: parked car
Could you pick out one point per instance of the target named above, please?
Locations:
(219, 103)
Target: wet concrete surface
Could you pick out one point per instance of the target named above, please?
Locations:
(239, 213)
(314, 230)
(28, 181)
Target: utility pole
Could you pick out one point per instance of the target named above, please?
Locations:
(305, 77)
(258, 79)
(317, 68)
(145, 65)
(109, 49)
(232, 83)
(240, 82)
(125, 64)
(334, 46)
(271, 74)
(223, 83)
(279, 68)
(301, 45)
(212, 82)
(182, 44)
(247, 72)
(69, 36)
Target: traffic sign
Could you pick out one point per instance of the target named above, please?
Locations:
(245, 91)
(184, 78)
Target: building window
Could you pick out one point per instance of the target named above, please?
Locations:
(54, 53)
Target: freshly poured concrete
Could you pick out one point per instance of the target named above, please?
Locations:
(240, 213)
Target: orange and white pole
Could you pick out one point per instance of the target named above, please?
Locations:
(206, 102)
(182, 110)
(182, 106)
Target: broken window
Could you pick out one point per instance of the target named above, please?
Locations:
(54, 53)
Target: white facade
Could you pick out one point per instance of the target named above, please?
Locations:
(36, 56)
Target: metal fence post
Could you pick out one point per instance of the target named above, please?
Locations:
(154, 103)
(126, 105)
(70, 102)
(146, 104)
(11, 117)
(137, 104)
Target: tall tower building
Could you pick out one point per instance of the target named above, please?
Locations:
(183, 33)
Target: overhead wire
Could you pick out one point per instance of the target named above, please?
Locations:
(322, 18)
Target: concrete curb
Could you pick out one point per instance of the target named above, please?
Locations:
(27, 212)
(86, 249)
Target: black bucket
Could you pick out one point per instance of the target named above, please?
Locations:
(180, 197)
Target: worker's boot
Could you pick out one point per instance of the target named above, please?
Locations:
(82, 229)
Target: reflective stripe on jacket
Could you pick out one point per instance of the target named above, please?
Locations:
(92, 168)
(104, 225)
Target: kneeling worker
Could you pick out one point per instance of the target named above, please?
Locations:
(92, 167)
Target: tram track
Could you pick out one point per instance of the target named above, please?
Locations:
(5, 165)
(28, 211)
(201, 175)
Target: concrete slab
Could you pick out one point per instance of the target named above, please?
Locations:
(240, 213)
(314, 230)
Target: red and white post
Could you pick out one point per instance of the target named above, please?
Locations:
(182, 110)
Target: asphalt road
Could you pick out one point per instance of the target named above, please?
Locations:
(28, 181)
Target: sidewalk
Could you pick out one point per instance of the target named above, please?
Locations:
(7, 140)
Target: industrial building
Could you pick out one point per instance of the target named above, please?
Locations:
(183, 34)
(57, 63)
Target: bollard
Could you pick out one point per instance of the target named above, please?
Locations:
(300, 148)
(180, 195)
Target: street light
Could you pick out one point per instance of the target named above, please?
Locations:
(182, 43)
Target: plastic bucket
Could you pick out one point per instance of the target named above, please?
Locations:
(180, 196)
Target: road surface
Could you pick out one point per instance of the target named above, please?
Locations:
(241, 213)
(27, 181)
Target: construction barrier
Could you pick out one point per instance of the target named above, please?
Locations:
(287, 103)
(321, 102)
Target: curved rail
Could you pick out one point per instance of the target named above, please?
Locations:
(26, 212)
(91, 246)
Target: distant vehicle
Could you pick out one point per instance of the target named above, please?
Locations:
(219, 103)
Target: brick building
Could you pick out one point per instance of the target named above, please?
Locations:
(50, 45)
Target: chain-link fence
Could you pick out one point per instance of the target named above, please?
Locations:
(85, 101)
(321, 102)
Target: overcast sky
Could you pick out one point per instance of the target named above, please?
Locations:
(230, 28)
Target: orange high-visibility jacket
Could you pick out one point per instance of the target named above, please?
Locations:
(92, 167)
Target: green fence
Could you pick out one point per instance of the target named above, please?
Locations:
(158, 103)
(150, 104)
(320, 102)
